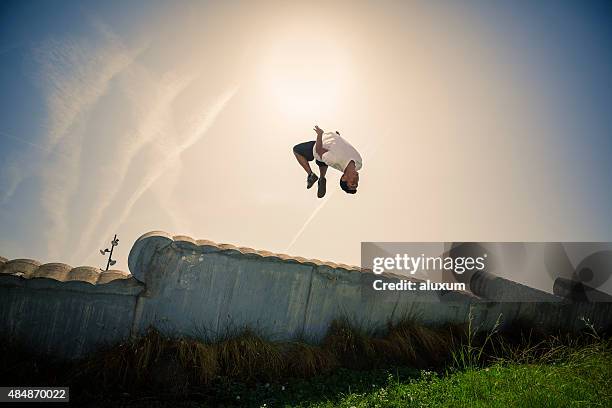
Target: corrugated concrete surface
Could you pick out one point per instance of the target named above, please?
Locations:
(65, 311)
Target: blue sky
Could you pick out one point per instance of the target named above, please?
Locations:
(98, 136)
(570, 45)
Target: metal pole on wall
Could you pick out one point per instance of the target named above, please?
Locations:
(111, 261)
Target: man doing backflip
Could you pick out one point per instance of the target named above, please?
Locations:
(330, 149)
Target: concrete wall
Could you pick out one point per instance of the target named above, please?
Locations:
(188, 287)
(192, 285)
(65, 311)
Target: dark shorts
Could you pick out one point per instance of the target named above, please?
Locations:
(305, 149)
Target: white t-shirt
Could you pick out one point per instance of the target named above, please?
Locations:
(339, 152)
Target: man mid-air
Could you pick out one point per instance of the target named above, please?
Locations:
(329, 150)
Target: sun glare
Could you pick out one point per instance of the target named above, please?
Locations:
(306, 77)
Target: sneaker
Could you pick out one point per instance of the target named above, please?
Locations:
(312, 178)
(321, 189)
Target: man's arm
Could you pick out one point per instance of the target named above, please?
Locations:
(319, 143)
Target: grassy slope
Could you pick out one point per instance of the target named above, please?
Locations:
(582, 381)
(350, 368)
(580, 378)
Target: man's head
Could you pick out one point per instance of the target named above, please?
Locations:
(349, 180)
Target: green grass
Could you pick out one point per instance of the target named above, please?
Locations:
(496, 386)
(583, 379)
(559, 371)
(567, 377)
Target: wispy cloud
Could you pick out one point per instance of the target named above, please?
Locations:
(152, 127)
(37, 146)
(309, 220)
(196, 132)
(19, 166)
(75, 74)
(12, 174)
(108, 109)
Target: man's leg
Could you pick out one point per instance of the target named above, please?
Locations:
(322, 181)
(303, 162)
(303, 154)
(322, 170)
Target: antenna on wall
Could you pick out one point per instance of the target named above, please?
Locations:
(111, 261)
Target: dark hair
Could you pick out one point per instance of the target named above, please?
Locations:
(345, 187)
